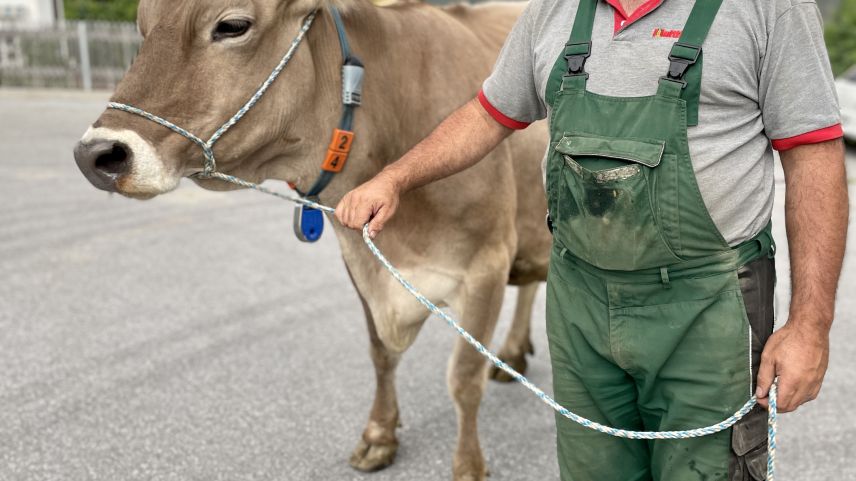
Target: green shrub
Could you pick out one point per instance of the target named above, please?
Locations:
(110, 10)
(841, 37)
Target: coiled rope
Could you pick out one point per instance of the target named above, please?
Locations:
(210, 172)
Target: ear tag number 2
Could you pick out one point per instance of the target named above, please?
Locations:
(308, 223)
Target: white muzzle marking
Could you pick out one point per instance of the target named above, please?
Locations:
(148, 175)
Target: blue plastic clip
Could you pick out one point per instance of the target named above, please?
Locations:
(308, 223)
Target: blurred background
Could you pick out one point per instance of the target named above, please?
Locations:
(76, 44)
(88, 44)
(192, 337)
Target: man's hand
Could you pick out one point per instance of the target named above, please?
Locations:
(459, 142)
(374, 202)
(816, 211)
(799, 355)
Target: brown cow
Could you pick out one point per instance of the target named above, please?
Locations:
(460, 240)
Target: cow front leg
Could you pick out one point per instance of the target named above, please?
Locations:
(467, 375)
(518, 343)
(378, 446)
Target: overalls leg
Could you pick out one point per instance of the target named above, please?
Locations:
(587, 381)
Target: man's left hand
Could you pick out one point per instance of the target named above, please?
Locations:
(798, 354)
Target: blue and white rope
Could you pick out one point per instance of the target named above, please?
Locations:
(772, 420)
(211, 172)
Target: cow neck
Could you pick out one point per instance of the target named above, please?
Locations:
(342, 140)
(385, 126)
(379, 139)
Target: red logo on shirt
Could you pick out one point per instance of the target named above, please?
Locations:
(664, 33)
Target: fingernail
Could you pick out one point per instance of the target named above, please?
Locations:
(372, 234)
(759, 392)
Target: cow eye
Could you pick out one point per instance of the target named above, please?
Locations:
(231, 29)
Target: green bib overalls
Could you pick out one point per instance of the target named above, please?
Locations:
(647, 323)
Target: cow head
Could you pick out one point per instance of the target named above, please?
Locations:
(200, 61)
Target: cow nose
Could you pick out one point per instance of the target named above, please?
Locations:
(103, 161)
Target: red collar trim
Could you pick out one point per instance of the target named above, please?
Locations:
(622, 20)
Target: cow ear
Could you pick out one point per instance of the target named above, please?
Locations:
(143, 9)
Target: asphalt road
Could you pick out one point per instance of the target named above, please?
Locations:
(193, 338)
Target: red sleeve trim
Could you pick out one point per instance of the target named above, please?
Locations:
(499, 116)
(814, 137)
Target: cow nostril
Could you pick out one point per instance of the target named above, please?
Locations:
(113, 162)
(103, 161)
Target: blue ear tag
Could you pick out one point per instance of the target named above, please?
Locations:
(308, 223)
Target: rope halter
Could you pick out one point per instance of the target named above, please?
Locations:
(210, 162)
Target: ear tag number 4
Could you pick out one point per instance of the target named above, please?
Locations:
(308, 223)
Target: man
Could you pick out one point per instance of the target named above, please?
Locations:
(659, 179)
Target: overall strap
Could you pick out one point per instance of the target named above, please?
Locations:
(683, 79)
(575, 53)
(700, 21)
(583, 23)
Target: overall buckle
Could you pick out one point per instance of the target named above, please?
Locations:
(576, 55)
(678, 65)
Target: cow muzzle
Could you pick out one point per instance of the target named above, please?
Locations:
(121, 161)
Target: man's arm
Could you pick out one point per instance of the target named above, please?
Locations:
(458, 143)
(816, 212)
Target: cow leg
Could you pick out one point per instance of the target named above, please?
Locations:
(478, 306)
(518, 342)
(377, 447)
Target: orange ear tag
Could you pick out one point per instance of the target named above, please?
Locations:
(338, 151)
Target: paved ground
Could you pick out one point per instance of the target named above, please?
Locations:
(193, 338)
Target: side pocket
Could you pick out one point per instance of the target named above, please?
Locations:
(756, 462)
(749, 447)
(749, 436)
(757, 283)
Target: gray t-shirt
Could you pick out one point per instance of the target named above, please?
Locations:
(766, 76)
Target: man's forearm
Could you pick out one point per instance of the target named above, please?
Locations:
(816, 209)
(816, 212)
(458, 143)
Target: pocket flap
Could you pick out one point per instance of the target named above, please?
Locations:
(645, 152)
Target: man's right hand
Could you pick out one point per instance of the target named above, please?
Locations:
(451, 148)
(374, 202)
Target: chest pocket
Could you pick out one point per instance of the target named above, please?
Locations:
(609, 201)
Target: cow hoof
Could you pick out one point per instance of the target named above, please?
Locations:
(515, 361)
(373, 457)
(518, 363)
(472, 476)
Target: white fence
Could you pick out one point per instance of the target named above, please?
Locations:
(77, 55)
